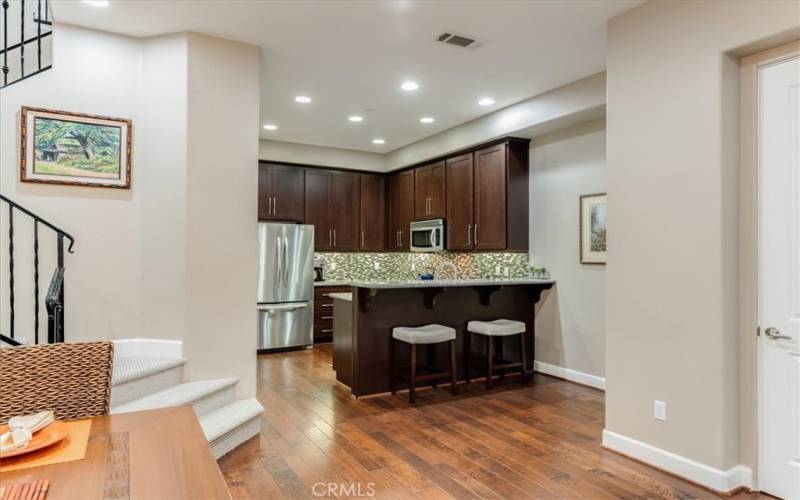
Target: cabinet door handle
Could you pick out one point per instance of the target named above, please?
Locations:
(401, 238)
(469, 234)
(275, 206)
(476, 234)
(334, 237)
(330, 237)
(362, 238)
(327, 317)
(327, 331)
(327, 305)
(269, 206)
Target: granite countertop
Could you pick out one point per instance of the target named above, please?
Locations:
(341, 296)
(437, 283)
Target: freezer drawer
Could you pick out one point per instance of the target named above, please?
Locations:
(285, 325)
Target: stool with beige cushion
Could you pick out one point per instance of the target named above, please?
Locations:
(492, 330)
(430, 335)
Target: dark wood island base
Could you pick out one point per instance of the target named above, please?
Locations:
(363, 327)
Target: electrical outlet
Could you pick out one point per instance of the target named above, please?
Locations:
(505, 271)
(377, 265)
(333, 266)
(660, 410)
(497, 271)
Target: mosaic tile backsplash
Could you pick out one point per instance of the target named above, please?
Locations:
(401, 266)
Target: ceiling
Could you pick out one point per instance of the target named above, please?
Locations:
(351, 57)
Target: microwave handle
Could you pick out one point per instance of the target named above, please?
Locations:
(434, 239)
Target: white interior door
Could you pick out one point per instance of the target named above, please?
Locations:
(779, 278)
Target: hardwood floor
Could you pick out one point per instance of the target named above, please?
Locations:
(541, 441)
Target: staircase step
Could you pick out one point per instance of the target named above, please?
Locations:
(204, 395)
(135, 377)
(233, 424)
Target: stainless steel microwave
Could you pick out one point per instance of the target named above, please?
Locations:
(427, 236)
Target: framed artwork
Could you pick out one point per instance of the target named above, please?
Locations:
(593, 228)
(58, 147)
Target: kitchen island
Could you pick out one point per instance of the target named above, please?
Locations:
(363, 322)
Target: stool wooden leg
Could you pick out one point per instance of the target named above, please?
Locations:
(498, 349)
(453, 367)
(412, 379)
(392, 366)
(467, 337)
(489, 362)
(524, 358)
(432, 362)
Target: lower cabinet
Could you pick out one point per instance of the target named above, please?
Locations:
(323, 312)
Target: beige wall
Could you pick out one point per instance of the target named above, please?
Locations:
(103, 276)
(173, 257)
(221, 195)
(307, 154)
(570, 320)
(671, 316)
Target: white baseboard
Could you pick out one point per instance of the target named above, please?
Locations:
(148, 347)
(715, 479)
(571, 375)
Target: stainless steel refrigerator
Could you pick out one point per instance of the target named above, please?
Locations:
(285, 285)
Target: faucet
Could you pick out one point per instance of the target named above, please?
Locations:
(445, 265)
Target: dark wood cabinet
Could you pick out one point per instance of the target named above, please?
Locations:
(317, 204)
(482, 194)
(344, 203)
(429, 191)
(372, 217)
(490, 198)
(401, 209)
(460, 203)
(323, 311)
(331, 205)
(281, 192)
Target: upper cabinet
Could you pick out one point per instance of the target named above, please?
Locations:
(429, 191)
(401, 209)
(372, 220)
(281, 192)
(489, 232)
(460, 203)
(501, 197)
(482, 195)
(331, 206)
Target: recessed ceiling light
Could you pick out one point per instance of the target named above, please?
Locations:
(302, 99)
(426, 119)
(378, 141)
(97, 3)
(409, 86)
(270, 126)
(355, 118)
(486, 101)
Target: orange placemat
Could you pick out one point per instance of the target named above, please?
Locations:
(69, 449)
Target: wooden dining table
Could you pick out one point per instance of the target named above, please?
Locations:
(155, 454)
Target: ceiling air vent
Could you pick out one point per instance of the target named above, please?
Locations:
(457, 40)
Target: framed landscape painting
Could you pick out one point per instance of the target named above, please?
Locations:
(593, 228)
(59, 147)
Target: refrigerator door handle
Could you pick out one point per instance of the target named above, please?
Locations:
(272, 308)
(277, 283)
(285, 259)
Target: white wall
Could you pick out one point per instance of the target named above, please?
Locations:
(221, 196)
(95, 73)
(570, 320)
(307, 154)
(671, 316)
(174, 256)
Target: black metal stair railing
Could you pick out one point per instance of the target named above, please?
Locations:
(54, 300)
(26, 27)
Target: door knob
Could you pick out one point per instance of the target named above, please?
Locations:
(775, 334)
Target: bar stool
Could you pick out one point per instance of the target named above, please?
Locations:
(430, 335)
(492, 330)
